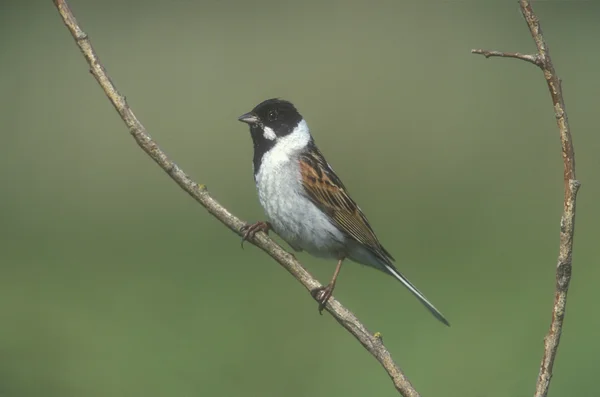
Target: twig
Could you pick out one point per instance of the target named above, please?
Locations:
(199, 192)
(567, 223)
(524, 57)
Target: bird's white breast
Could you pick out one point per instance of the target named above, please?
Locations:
(293, 216)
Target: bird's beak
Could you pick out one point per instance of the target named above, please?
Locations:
(248, 118)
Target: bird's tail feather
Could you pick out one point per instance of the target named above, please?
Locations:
(394, 272)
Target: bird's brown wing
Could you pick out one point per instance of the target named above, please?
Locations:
(325, 189)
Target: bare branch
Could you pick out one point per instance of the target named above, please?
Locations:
(524, 57)
(342, 315)
(567, 223)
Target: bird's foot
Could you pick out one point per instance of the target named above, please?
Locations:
(322, 295)
(251, 229)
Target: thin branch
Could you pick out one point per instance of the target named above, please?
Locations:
(567, 222)
(342, 315)
(524, 57)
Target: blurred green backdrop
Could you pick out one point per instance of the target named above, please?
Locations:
(113, 282)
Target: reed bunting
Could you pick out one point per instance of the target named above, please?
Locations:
(306, 203)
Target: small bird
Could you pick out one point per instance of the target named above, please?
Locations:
(306, 203)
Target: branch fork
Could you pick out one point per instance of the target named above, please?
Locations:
(543, 60)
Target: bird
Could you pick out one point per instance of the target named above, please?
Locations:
(306, 203)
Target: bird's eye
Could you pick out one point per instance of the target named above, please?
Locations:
(272, 115)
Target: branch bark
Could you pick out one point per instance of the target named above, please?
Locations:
(372, 343)
(571, 186)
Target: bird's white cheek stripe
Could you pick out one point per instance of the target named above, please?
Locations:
(269, 134)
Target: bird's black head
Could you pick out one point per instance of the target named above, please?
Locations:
(270, 121)
(273, 118)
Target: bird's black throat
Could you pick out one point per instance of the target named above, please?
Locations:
(261, 146)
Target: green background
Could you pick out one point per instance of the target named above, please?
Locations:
(114, 282)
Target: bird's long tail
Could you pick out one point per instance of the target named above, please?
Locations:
(394, 272)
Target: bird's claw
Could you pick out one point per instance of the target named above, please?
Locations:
(322, 295)
(250, 230)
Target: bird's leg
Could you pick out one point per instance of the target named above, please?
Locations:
(250, 230)
(322, 294)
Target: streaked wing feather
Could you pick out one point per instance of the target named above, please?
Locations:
(328, 193)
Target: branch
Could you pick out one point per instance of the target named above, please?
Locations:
(370, 342)
(567, 223)
(524, 57)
